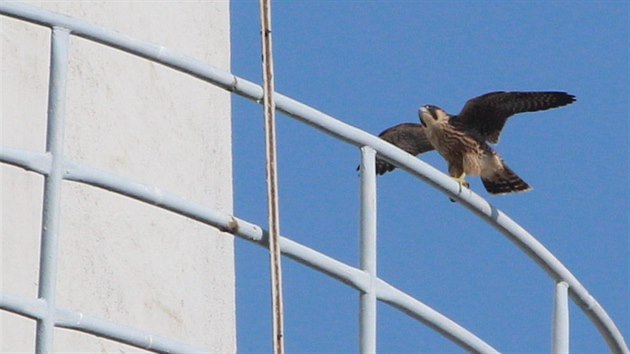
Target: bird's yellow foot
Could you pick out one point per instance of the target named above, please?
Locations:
(461, 180)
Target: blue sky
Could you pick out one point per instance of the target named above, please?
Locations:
(372, 64)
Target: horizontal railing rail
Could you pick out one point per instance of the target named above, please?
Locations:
(354, 277)
(78, 321)
(42, 163)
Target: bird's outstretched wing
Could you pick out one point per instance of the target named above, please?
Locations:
(486, 115)
(407, 136)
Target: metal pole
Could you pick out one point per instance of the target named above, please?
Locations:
(52, 187)
(367, 299)
(560, 341)
(272, 179)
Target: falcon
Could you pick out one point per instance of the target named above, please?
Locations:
(464, 139)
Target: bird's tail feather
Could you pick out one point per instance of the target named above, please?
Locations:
(382, 166)
(505, 181)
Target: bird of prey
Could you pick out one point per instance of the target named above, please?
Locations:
(464, 140)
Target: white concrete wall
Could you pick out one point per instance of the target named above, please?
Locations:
(120, 259)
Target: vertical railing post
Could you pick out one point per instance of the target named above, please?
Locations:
(52, 187)
(367, 299)
(560, 341)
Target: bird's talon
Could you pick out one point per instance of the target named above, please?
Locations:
(461, 181)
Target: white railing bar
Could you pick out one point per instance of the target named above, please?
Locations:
(309, 257)
(147, 50)
(367, 299)
(243, 229)
(29, 161)
(433, 319)
(560, 324)
(77, 321)
(347, 133)
(32, 308)
(51, 208)
(222, 221)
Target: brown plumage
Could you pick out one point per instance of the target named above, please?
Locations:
(407, 136)
(466, 155)
(463, 140)
(485, 116)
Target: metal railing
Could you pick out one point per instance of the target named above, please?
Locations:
(55, 167)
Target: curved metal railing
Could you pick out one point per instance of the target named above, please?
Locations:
(56, 168)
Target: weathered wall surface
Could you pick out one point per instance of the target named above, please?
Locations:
(120, 259)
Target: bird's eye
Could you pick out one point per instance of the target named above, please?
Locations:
(431, 108)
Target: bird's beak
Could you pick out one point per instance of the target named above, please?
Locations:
(421, 112)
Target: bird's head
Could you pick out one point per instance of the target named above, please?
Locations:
(431, 115)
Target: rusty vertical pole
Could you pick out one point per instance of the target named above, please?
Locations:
(272, 179)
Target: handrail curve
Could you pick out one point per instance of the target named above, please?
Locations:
(336, 269)
(331, 126)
